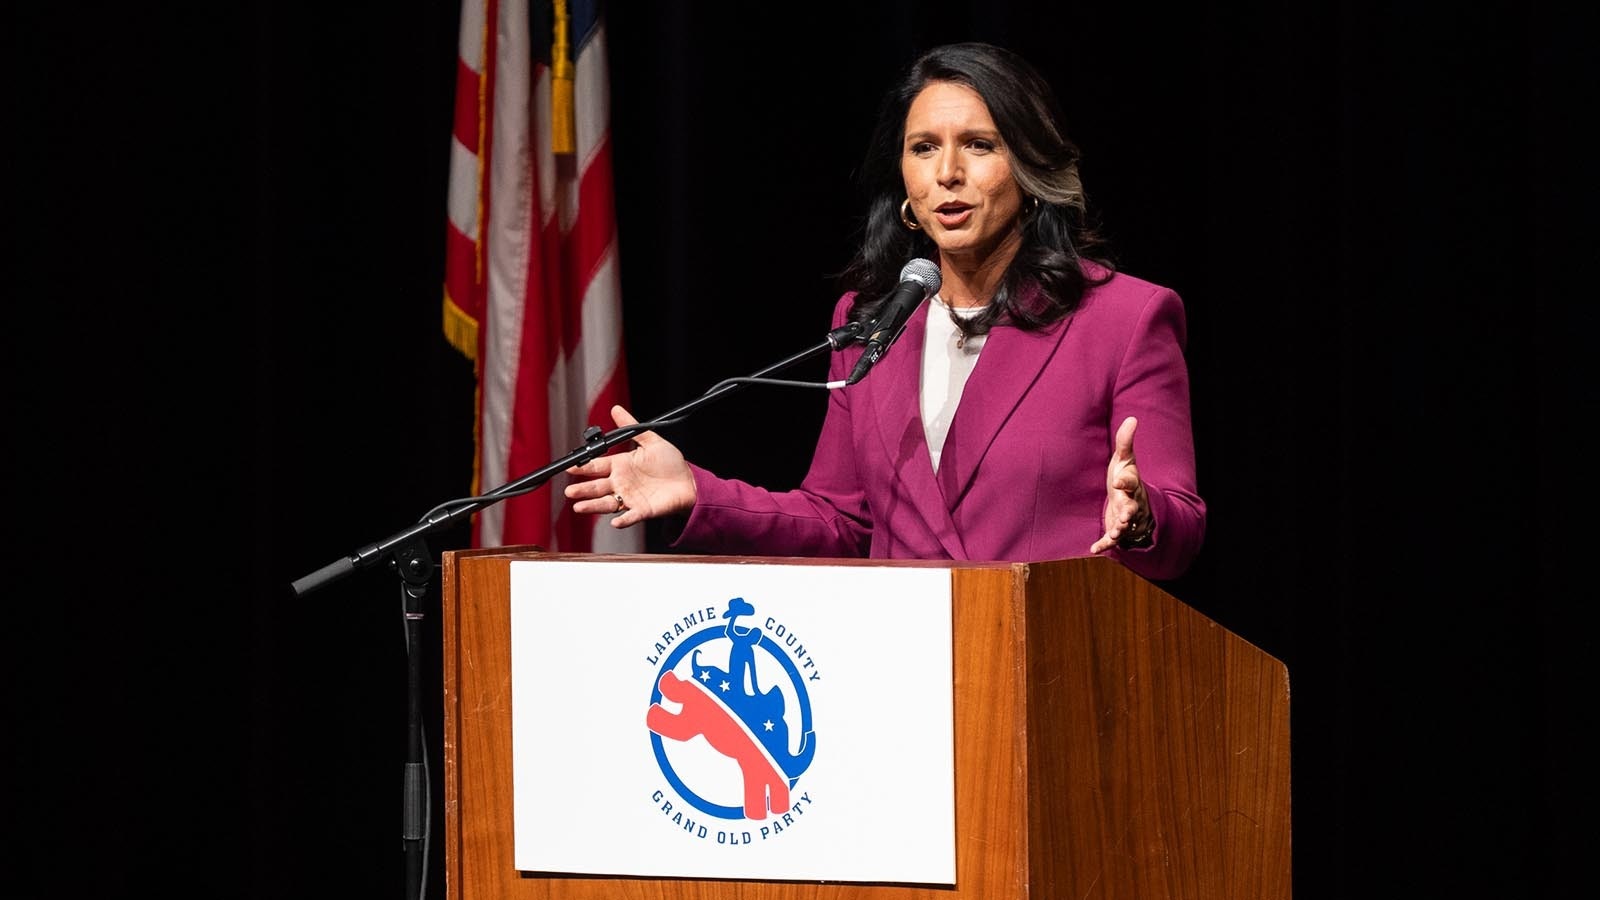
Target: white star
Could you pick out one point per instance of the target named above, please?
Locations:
(768, 724)
(725, 686)
(705, 674)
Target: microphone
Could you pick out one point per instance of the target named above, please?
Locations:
(919, 280)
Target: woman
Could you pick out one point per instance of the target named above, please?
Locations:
(983, 434)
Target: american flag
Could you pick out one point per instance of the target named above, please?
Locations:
(532, 292)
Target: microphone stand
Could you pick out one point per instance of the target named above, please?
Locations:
(407, 555)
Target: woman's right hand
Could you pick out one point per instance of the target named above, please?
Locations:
(652, 479)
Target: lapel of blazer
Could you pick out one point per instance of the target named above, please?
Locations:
(1011, 363)
(897, 379)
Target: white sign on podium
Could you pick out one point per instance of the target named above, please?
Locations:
(723, 720)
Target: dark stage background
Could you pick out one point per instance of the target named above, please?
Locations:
(228, 230)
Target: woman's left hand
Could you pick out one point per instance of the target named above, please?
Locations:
(1127, 510)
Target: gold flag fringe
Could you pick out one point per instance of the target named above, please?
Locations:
(460, 329)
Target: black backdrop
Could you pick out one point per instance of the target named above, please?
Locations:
(226, 370)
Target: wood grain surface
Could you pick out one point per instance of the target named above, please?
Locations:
(1110, 742)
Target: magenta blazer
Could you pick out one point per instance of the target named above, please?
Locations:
(1023, 473)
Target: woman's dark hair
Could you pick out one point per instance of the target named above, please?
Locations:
(1057, 233)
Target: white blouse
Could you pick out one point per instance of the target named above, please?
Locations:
(947, 362)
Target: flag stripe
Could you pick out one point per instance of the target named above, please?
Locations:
(594, 230)
(601, 364)
(530, 445)
(549, 324)
(471, 41)
(506, 270)
(463, 200)
(467, 114)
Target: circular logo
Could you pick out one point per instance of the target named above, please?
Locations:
(739, 735)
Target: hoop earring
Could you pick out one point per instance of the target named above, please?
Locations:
(906, 220)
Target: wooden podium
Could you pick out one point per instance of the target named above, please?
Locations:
(1110, 742)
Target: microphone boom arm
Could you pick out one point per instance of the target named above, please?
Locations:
(595, 443)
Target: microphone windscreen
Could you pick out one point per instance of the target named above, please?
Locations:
(924, 272)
